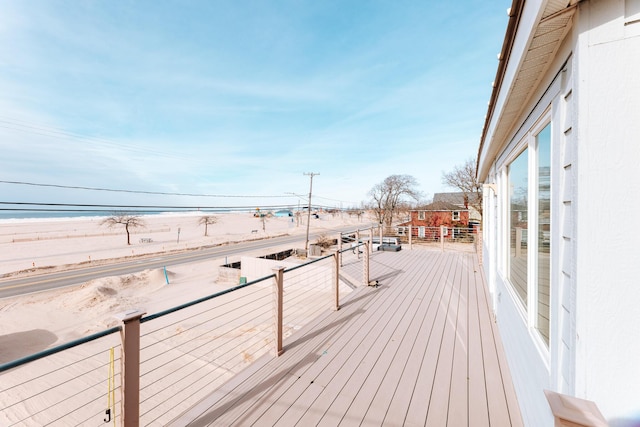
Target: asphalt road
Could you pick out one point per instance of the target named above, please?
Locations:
(26, 285)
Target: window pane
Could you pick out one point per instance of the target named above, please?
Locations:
(543, 140)
(518, 204)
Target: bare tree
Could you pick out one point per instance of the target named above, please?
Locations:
(128, 220)
(357, 212)
(207, 220)
(463, 177)
(389, 194)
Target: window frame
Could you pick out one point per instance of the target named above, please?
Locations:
(528, 142)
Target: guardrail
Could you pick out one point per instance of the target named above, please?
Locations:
(161, 364)
(63, 385)
(438, 236)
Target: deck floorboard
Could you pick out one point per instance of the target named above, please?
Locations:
(420, 349)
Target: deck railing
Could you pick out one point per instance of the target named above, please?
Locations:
(70, 384)
(161, 364)
(442, 237)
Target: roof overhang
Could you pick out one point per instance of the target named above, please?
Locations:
(534, 34)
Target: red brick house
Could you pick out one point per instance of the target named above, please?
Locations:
(426, 219)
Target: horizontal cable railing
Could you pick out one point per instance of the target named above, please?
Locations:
(181, 354)
(307, 293)
(187, 355)
(443, 237)
(71, 384)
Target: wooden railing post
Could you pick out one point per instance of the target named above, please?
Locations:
(340, 249)
(442, 237)
(130, 370)
(336, 281)
(365, 265)
(278, 293)
(572, 411)
(358, 242)
(410, 237)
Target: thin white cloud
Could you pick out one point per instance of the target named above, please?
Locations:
(244, 98)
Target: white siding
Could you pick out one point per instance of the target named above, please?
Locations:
(607, 234)
(563, 249)
(593, 87)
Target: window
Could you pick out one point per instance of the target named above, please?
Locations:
(421, 215)
(528, 221)
(455, 216)
(543, 143)
(518, 224)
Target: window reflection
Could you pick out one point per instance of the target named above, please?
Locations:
(543, 140)
(518, 224)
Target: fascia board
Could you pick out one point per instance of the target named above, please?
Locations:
(529, 20)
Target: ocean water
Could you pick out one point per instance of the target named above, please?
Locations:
(9, 215)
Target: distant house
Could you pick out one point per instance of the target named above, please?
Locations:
(424, 219)
(459, 199)
(559, 159)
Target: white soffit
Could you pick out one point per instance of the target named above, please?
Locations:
(549, 33)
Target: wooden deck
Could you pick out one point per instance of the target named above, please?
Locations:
(421, 349)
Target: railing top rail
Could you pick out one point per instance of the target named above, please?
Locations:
(203, 299)
(58, 349)
(359, 229)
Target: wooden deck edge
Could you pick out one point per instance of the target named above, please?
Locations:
(510, 393)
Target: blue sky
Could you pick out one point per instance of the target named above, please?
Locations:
(240, 97)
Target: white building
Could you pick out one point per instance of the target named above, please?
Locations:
(560, 159)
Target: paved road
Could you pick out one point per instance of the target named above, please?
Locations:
(19, 286)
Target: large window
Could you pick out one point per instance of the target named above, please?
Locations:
(543, 143)
(529, 228)
(518, 224)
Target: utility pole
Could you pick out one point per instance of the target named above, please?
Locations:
(310, 175)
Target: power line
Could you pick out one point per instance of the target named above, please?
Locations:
(95, 207)
(52, 132)
(11, 123)
(161, 193)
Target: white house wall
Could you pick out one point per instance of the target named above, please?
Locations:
(563, 242)
(528, 361)
(608, 205)
(591, 91)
